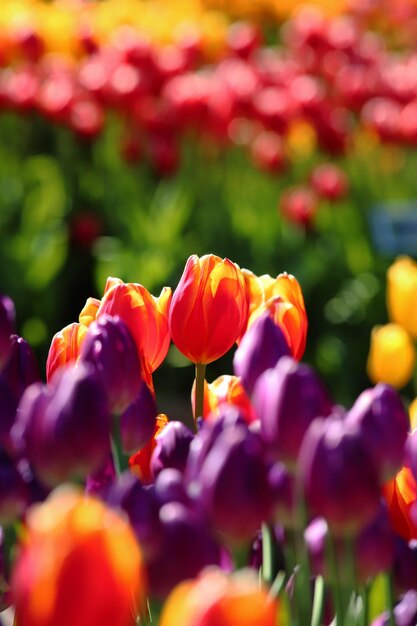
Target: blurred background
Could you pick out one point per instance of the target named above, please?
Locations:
(280, 134)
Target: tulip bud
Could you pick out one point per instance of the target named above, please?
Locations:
(142, 509)
(299, 206)
(209, 308)
(234, 484)
(405, 564)
(137, 422)
(7, 327)
(66, 429)
(391, 356)
(14, 492)
(261, 347)
(383, 423)
(402, 293)
(224, 600)
(228, 390)
(287, 399)
(338, 474)
(77, 547)
(172, 448)
(170, 487)
(8, 408)
(329, 182)
(145, 316)
(110, 349)
(185, 539)
(65, 348)
(21, 369)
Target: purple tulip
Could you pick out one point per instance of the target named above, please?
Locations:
(234, 484)
(100, 482)
(411, 452)
(405, 613)
(21, 370)
(109, 347)
(283, 495)
(170, 487)
(338, 475)
(8, 408)
(65, 429)
(14, 492)
(172, 448)
(405, 564)
(261, 347)
(373, 548)
(137, 422)
(186, 547)
(7, 328)
(229, 418)
(287, 399)
(380, 415)
(142, 509)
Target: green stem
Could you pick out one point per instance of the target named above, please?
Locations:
(390, 598)
(267, 555)
(318, 602)
(200, 372)
(335, 584)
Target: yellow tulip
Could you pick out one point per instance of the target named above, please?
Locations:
(391, 356)
(402, 293)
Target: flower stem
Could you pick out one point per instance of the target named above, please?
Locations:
(267, 555)
(200, 371)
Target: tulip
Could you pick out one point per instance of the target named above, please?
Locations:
(299, 206)
(338, 475)
(224, 390)
(89, 311)
(381, 417)
(209, 308)
(404, 568)
(100, 482)
(287, 399)
(141, 506)
(261, 347)
(14, 491)
(65, 429)
(140, 462)
(137, 422)
(225, 600)
(400, 494)
(145, 316)
(172, 448)
(7, 328)
(402, 293)
(108, 346)
(391, 356)
(65, 348)
(21, 369)
(185, 539)
(170, 487)
(79, 563)
(8, 408)
(233, 484)
(283, 300)
(329, 182)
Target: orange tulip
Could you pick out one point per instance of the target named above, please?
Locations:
(145, 316)
(65, 348)
(139, 462)
(89, 311)
(225, 389)
(209, 308)
(401, 496)
(283, 298)
(221, 599)
(79, 564)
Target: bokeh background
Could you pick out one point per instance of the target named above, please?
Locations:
(280, 134)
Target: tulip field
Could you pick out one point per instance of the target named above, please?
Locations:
(208, 313)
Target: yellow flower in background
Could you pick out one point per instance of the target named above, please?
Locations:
(391, 356)
(412, 412)
(402, 294)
